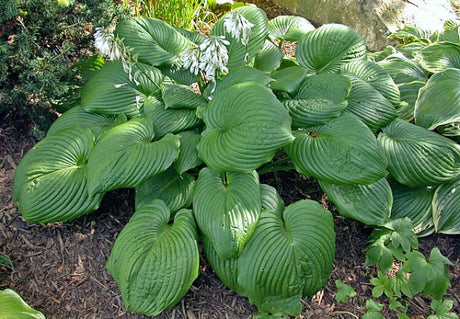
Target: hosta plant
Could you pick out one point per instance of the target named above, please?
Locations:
(191, 121)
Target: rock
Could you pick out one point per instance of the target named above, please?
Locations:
(374, 20)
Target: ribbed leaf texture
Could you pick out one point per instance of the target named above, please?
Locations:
(177, 96)
(418, 157)
(289, 28)
(174, 189)
(414, 203)
(439, 101)
(288, 79)
(112, 90)
(327, 48)
(50, 183)
(153, 41)
(227, 209)
(367, 104)
(269, 58)
(344, 151)
(245, 126)
(188, 155)
(127, 155)
(97, 123)
(403, 70)
(376, 76)
(369, 204)
(440, 56)
(446, 205)
(153, 262)
(169, 120)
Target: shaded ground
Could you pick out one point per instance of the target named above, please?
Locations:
(60, 269)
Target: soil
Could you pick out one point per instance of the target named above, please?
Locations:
(59, 268)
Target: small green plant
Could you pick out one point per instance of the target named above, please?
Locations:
(191, 122)
(344, 291)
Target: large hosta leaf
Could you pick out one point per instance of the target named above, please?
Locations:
(369, 105)
(414, 203)
(328, 47)
(188, 155)
(153, 262)
(227, 209)
(245, 126)
(174, 189)
(269, 58)
(409, 95)
(369, 204)
(169, 120)
(446, 205)
(439, 100)
(344, 151)
(319, 99)
(440, 56)
(376, 76)
(181, 97)
(289, 256)
(289, 28)
(97, 123)
(288, 79)
(114, 90)
(50, 182)
(153, 41)
(13, 306)
(403, 70)
(127, 155)
(418, 157)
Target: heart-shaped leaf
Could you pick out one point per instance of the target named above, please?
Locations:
(344, 151)
(288, 79)
(181, 97)
(174, 189)
(369, 204)
(403, 70)
(439, 101)
(227, 209)
(418, 157)
(153, 41)
(50, 182)
(440, 56)
(269, 58)
(245, 126)
(127, 155)
(153, 262)
(330, 46)
(289, 28)
(446, 205)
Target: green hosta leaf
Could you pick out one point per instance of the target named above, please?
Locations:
(97, 123)
(327, 48)
(369, 105)
(227, 209)
(188, 155)
(50, 183)
(153, 262)
(290, 255)
(153, 41)
(113, 90)
(5, 261)
(177, 96)
(245, 126)
(344, 151)
(418, 157)
(369, 204)
(237, 52)
(169, 120)
(290, 28)
(319, 99)
(409, 94)
(227, 270)
(288, 79)
(440, 56)
(439, 101)
(446, 205)
(179, 75)
(442, 309)
(13, 306)
(269, 58)
(451, 130)
(174, 189)
(403, 70)
(414, 203)
(376, 76)
(126, 156)
(432, 276)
